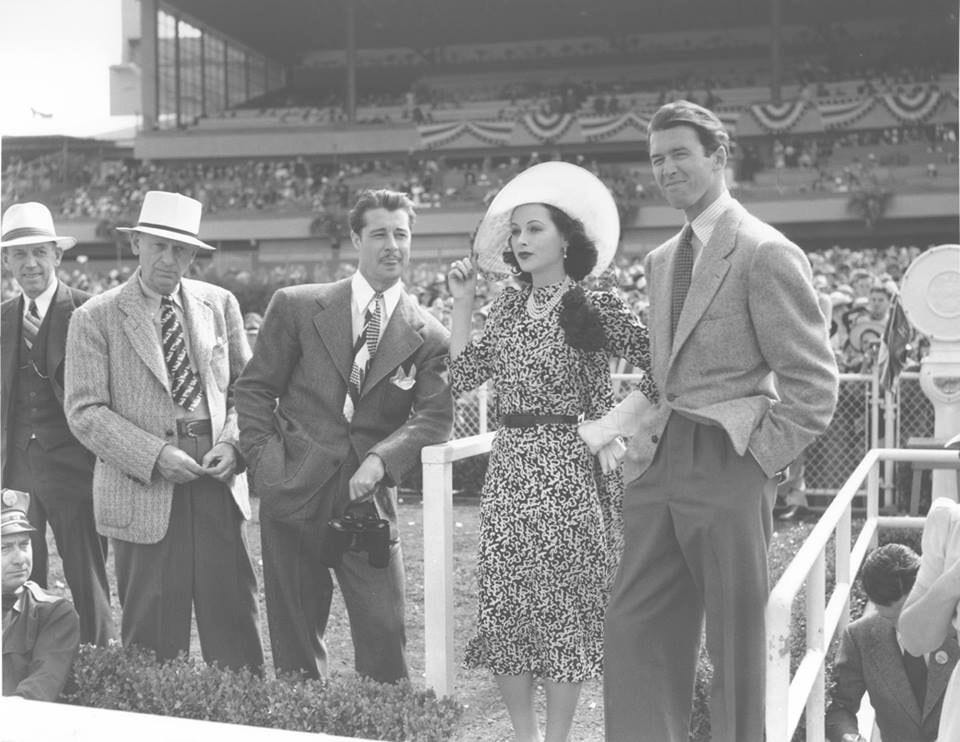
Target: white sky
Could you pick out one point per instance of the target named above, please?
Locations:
(55, 57)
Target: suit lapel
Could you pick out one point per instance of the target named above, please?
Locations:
(885, 655)
(661, 286)
(60, 311)
(140, 331)
(334, 323)
(198, 318)
(9, 342)
(938, 673)
(707, 276)
(400, 339)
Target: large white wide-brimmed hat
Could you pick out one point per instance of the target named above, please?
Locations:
(171, 216)
(30, 223)
(570, 188)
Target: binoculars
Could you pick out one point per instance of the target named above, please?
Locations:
(360, 532)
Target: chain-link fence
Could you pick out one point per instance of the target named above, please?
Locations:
(912, 418)
(835, 454)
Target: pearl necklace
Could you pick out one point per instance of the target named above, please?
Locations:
(540, 311)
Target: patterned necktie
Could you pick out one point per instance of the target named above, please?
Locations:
(916, 668)
(363, 351)
(31, 325)
(184, 382)
(682, 271)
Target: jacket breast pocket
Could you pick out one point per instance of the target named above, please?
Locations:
(396, 402)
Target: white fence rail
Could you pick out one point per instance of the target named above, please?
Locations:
(786, 698)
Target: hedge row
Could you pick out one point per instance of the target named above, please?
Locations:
(131, 680)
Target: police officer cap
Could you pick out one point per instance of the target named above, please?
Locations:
(14, 515)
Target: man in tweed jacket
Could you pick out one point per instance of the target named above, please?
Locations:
(747, 380)
(168, 483)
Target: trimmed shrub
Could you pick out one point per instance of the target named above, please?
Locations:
(131, 680)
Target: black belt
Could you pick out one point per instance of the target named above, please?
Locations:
(530, 421)
(194, 428)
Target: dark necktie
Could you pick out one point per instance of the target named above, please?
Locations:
(364, 349)
(31, 325)
(916, 668)
(184, 382)
(682, 271)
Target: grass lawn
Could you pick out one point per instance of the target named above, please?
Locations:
(485, 719)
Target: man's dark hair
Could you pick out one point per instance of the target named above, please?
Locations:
(888, 573)
(709, 128)
(581, 257)
(382, 198)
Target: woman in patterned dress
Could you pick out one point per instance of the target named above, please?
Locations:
(550, 525)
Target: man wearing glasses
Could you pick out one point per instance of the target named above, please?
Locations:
(39, 453)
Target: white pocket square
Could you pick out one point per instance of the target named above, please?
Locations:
(402, 380)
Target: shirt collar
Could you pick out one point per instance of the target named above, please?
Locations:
(363, 292)
(43, 301)
(20, 592)
(154, 297)
(705, 222)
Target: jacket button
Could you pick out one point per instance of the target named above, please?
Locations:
(671, 397)
(655, 438)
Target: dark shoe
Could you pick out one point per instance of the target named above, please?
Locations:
(789, 512)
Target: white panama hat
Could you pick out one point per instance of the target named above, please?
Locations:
(31, 223)
(572, 189)
(171, 216)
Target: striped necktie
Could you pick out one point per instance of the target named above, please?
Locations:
(184, 382)
(682, 271)
(31, 325)
(364, 349)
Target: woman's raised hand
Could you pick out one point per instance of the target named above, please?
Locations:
(462, 279)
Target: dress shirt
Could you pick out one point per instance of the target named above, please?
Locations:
(202, 411)
(43, 301)
(362, 294)
(704, 224)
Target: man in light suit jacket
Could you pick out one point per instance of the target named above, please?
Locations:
(38, 453)
(741, 358)
(906, 692)
(150, 372)
(348, 382)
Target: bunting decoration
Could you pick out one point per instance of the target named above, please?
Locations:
(912, 108)
(842, 114)
(777, 118)
(494, 133)
(596, 129)
(435, 135)
(547, 127)
(921, 105)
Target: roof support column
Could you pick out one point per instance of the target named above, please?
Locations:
(148, 64)
(350, 36)
(776, 51)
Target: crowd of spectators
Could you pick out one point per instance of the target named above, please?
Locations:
(83, 187)
(859, 284)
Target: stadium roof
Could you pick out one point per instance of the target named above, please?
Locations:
(284, 29)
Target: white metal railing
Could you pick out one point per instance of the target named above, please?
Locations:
(438, 613)
(786, 697)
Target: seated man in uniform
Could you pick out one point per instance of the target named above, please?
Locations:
(41, 632)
